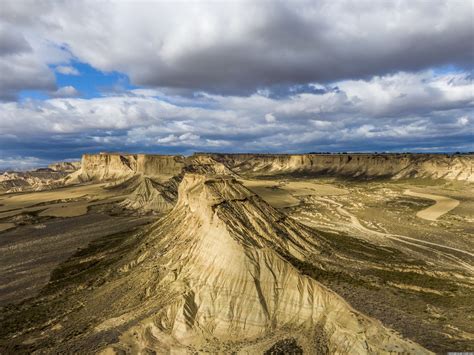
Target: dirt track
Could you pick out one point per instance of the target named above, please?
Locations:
(443, 249)
(443, 205)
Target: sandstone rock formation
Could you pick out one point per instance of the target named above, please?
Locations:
(217, 264)
(65, 166)
(41, 179)
(145, 194)
(220, 270)
(394, 166)
(113, 166)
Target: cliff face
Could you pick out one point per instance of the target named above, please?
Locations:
(395, 166)
(112, 166)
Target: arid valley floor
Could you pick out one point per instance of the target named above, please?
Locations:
(250, 254)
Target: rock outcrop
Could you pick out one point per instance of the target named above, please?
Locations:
(65, 166)
(217, 264)
(37, 180)
(114, 166)
(146, 194)
(367, 166)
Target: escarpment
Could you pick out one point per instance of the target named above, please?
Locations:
(149, 179)
(367, 166)
(114, 166)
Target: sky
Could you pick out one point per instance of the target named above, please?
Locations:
(234, 76)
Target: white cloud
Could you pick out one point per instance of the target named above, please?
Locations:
(270, 118)
(21, 163)
(362, 114)
(67, 70)
(463, 121)
(183, 139)
(65, 91)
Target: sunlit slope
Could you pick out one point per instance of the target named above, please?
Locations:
(218, 258)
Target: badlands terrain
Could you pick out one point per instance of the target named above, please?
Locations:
(239, 253)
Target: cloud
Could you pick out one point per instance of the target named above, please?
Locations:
(25, 58)
(463, 121)
(67, 70)
(242, 76)
(19, 163)
(23, 72)
(65, 91)
(181, 140)
(270, 118)
(417, 111)
(241, 47)
(12, 42)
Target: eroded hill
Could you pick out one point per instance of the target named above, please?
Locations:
(211, 275)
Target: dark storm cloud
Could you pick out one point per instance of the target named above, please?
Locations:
(12, 43)
(305, 42)
(20, 67)
(243, 46)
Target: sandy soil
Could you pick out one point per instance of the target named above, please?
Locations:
(66, 210)
(443, 205)
(442, 250)
(35, 236)
(270, 192)
(31, 252)
(308, 188)
(64, 202)
(281, 194)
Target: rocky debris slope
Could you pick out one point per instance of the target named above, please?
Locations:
(216, 266)
(394, 166)
(202, 164)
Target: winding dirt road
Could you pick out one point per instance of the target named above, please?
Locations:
(443, 205)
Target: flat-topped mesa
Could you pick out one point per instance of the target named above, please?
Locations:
(114, 166)
(394, 166)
